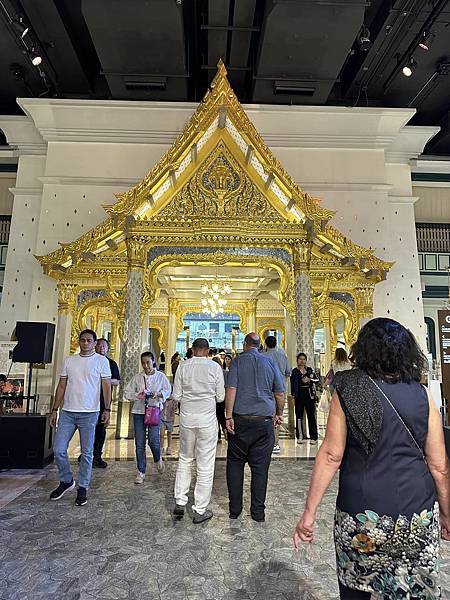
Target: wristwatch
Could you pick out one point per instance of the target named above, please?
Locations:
(106, 410)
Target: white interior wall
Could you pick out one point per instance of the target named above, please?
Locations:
(7, 180)
(73, 157)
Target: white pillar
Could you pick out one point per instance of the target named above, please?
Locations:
(130, 350)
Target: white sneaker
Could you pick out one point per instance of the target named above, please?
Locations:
(161, 466)
(299, 441)
(313, 442)
(140, 478)
(276, 449)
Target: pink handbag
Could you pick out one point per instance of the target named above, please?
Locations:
(152, 414)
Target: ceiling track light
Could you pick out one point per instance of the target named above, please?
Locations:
(409, 68)
(364, 39)
(35, 58)
(426, 40)
(20, 26)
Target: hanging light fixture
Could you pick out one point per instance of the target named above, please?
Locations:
(214, 301)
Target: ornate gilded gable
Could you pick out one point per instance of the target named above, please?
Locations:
(220, 189)
(218, 183)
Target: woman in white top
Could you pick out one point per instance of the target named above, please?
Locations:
(339, 363)
(152, 387)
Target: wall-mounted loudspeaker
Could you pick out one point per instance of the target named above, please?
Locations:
(34, 342)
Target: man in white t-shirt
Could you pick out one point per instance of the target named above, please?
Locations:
(198, 386)
(78, 396)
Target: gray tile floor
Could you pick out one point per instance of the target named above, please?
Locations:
(125, 545)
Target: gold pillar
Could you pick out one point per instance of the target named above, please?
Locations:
(67, 296)
(172, 333)
(144, 331)
(188, 337)
(330, 347)
(233, 340)
(251, 315)
(363, 304)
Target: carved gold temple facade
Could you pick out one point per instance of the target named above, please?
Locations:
(218, 198)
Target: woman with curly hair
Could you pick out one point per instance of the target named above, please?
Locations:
(385, 435)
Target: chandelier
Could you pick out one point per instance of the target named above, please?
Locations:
(214, 300)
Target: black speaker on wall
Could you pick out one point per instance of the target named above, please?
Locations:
(34, 342)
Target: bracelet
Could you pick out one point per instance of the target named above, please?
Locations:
(106, 410)
(228, 418)
(54, 410)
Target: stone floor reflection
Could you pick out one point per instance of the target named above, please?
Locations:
(125, 545)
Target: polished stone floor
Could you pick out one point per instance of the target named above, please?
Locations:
(124, 544)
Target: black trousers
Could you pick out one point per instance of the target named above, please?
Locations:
(100, 433)
(220, 414)
(346, 593)
(302, 403)
(252, 442)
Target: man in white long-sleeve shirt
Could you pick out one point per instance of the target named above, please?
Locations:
(198, 386)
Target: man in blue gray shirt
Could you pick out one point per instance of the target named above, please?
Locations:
(255, 392)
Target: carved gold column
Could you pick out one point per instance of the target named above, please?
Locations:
(67, 296)
(131, 342)
(144, 330)
(302, 299)
(328, 331)
(233, 340)
(172, 333)
(363, 304)
(188, 338)
(251, 306)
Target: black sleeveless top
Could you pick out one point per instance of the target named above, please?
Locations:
(394, 479)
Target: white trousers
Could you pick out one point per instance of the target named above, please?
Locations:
(199, 443)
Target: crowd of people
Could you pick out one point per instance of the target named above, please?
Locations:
(384, 435)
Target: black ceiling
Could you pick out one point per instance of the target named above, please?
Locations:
(276, 52)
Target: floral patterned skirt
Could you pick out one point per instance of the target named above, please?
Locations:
(397, 559)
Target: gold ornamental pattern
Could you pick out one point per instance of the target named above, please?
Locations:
(220, 189)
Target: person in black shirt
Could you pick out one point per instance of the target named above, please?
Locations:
(302, 389)
(102, 347)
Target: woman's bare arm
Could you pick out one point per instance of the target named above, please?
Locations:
(328, 461)
(329, 456)
(438, 463)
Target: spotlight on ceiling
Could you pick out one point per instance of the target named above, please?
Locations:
(426, 39)
(35, 58)
(364, 39)
(20, 27)
(409, 68)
